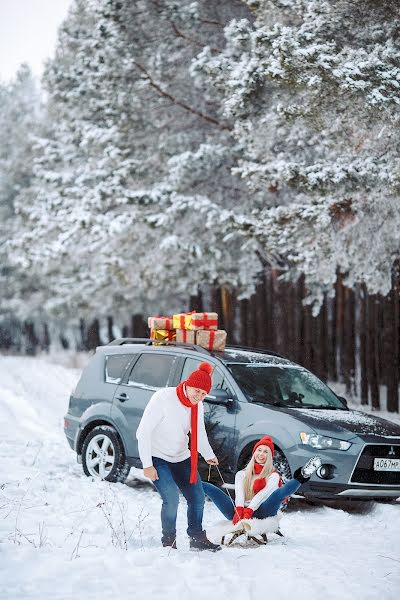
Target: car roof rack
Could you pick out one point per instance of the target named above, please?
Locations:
(196, 347)
(260, 350)
(150, 342)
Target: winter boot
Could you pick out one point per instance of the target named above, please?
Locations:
(169, 541)
(201, 542)
(304, 473)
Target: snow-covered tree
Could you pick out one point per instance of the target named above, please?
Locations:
(178, 152)
(19, 123)
(133, 153)
(312, 87)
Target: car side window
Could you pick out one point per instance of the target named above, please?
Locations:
(191, 364)
(218, 381)
(114, 367)
(152, 370)
(217, 378)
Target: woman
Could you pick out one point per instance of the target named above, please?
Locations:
(259, 492)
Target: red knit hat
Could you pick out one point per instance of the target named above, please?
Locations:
(201, 378)
(265, 441)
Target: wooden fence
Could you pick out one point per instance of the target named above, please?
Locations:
(354, 340)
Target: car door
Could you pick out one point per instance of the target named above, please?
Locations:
(150, 372)
(220, 423)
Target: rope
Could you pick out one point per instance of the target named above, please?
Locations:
(227, 489)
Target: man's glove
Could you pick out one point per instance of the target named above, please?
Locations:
(238, 514)
(248, 513)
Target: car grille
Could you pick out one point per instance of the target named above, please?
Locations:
(364, 471)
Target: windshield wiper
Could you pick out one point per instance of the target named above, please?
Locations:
(323, 407)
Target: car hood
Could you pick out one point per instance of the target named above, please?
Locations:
(345, 424)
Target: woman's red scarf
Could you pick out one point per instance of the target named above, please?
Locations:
(193, 431)
(261, 482)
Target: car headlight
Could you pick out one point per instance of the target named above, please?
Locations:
(323, 442)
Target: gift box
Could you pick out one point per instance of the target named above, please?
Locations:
(211, 339)
(163, 334)
(160, 323)
(204, 320)
(182, 321)
(186, 336)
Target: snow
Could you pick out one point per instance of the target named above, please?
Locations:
(64, 536)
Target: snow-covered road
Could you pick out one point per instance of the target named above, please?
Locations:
(63, 535)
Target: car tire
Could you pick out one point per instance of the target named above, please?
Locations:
(281, 464)
(103, 455)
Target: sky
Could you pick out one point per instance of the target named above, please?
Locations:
(28, 33)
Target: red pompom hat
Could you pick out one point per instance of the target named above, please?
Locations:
(265, 441)
(201, 378)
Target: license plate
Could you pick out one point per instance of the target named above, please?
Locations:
(386, 464)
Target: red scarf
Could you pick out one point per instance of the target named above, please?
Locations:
(260, 482)
(193, 431)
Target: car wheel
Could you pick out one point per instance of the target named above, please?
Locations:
(282, 466)
(103, 455)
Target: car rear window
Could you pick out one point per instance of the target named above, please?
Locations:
(152, 370)
(115, 366)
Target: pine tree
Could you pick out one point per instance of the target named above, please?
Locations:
(313, 90)
(20, 114)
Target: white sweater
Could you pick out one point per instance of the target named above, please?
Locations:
(164, 427)
(271, 485)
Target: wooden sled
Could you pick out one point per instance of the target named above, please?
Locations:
(254, 530)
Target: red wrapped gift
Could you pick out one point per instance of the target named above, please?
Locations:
(186, 336)
(160, 323)
(204, 320)
(211, 339)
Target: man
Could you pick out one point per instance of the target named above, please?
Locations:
(163, 449)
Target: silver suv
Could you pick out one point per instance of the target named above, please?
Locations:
(254, 393)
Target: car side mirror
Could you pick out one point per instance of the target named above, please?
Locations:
(343, 400)
(217, 396)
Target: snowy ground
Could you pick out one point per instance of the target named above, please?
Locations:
(63, 535)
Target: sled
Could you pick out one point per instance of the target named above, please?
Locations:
(252, 530)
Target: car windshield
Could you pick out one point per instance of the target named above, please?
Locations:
(289, 386)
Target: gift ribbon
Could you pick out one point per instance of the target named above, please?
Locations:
(182, 319)
(211, 340)
(205, 321)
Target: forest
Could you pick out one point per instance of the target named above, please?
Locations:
(239, 156)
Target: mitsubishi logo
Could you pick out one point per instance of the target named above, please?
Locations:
(392, 452)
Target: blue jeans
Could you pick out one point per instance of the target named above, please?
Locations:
(171, 477)
(268, 508)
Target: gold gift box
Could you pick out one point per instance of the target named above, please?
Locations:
(182, 321)
(163, 334)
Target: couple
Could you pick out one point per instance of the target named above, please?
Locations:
(163, 448)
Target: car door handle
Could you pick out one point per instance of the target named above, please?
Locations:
(122, 397)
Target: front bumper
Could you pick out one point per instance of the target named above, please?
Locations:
(329, 490)
(352, 472)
